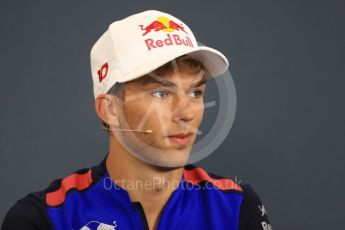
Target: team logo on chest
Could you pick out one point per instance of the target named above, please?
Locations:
(96, 225)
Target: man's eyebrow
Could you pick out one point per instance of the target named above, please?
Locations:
(199, 83)
(157, 80)
(167, 83)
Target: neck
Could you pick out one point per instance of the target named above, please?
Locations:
(148, 184)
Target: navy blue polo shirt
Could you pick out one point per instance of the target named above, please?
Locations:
(88, 199)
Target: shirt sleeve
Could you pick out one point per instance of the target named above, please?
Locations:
(253, 214)
(27, 213)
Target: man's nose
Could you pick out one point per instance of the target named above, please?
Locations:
(183, 109)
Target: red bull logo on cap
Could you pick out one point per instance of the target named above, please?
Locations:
(165, 25)
(162, 24)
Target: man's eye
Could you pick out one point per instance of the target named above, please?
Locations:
(160, 94)
(197, 93)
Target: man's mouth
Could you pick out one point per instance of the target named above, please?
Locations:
(181, 138)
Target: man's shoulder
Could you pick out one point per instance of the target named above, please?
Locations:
(197, 175)
(252, 211)
(30, 211)
(78, 181)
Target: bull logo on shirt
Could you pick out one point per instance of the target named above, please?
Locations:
(96, 225)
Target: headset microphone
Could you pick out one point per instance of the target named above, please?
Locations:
(129, 130)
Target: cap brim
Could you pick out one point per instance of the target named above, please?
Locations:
(215, 62)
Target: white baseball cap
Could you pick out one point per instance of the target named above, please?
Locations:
(141, 43)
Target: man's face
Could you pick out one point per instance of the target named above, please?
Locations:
(168, 106)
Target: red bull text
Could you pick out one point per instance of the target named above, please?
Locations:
(175, 39)
(166, 25)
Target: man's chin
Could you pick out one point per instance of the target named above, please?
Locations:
(175, 160)
(169, 159)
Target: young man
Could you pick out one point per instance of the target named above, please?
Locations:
(149, 78)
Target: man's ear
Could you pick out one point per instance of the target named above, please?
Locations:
(107, 109)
